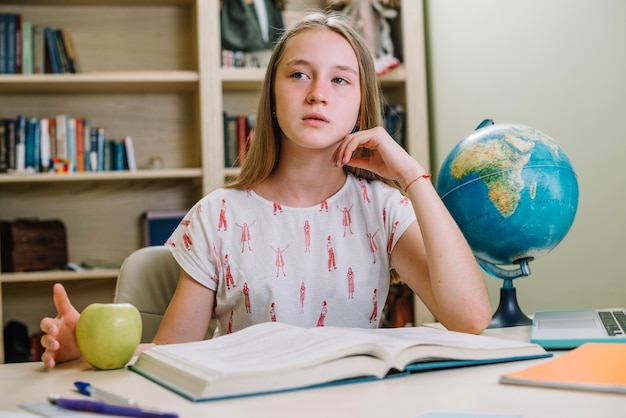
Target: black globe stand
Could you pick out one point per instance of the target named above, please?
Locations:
(508, 314)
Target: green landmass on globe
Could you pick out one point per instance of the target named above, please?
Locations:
(499, 162)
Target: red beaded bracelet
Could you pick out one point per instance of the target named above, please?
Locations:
(423, 176)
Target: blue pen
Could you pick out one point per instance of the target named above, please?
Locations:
(90, 390)
(107, 409)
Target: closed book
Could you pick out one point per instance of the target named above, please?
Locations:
(20, 143)
(131, 161)
(70, 54)
(597, 367)
(242, 138)
(4, 148)
(119, 156)
(28, 65)
(45, 154)
(63, 63)
(39, 51)
(80, 146)
(52, 53)
(70, 138)
(61, 137)
(109, 155)
(10, 134)
(273, 357)
(11, 42)
(230, 140)
(3, 43)
(32, 155)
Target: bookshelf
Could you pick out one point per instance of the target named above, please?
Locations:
(149, 69)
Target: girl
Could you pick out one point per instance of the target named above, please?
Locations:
(345, 189)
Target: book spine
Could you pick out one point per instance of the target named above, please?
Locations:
(93, 149)
(131, 161)
(70, 55)
(119, 156)
(63, 65)
(61, 140)
(39, 52)
(109, 155)
(3, 43)
(44, 128)
(51, 50)
(4, 148)
(70, 139)
(20, 143)
(86, 144)
(242, 138)
(100, 145)
(31, 143)
(80, 146)
(11, 31)
(27, 48)
(18, 44)
(10, 133)
(230, 141)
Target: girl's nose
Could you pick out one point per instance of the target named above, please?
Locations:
(317, 94)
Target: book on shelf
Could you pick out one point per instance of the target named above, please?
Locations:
(27, 48)
(39, 51)
(52, 53)
(591, 366)
(129, 146)
(238, 132)
(273, 357)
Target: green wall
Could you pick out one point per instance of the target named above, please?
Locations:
(558, 66)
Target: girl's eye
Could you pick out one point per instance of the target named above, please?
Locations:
(340, 80)
(298, 75)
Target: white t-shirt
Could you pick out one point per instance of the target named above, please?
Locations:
(322, 265)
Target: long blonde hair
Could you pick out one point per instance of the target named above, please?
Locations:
(264, 152)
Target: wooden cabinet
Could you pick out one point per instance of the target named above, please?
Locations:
(150, 70)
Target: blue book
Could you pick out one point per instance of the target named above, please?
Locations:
(11, 42)
(3, 43)
(32, 155)
(51, 49)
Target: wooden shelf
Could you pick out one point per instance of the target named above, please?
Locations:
(180, 173)
(129, 81)
(58, 275)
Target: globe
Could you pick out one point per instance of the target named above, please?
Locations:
(514, 194)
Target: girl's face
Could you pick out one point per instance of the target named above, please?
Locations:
(317, 90)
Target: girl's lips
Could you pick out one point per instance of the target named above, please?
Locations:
(315, 117)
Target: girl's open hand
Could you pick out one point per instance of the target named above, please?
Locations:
(59, 340)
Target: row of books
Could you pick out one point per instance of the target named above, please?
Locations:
(238, 132)
(28, 48)
(61, 144)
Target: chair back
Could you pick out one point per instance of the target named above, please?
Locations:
(147, 279)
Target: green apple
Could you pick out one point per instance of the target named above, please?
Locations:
(108, 334)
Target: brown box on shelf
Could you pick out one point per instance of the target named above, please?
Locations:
(31, 244)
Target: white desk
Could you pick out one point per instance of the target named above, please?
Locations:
(472, 389)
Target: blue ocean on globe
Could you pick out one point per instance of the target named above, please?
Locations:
(513, 192)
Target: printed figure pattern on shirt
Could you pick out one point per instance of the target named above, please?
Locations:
(318, 266)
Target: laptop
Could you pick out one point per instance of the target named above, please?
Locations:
(569, 329)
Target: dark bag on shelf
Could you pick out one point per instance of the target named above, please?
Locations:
(242, 29)
(31, 244)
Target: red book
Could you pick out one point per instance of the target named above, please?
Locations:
(242, 138)
(80, 146)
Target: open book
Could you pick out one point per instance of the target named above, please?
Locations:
(273, 357)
